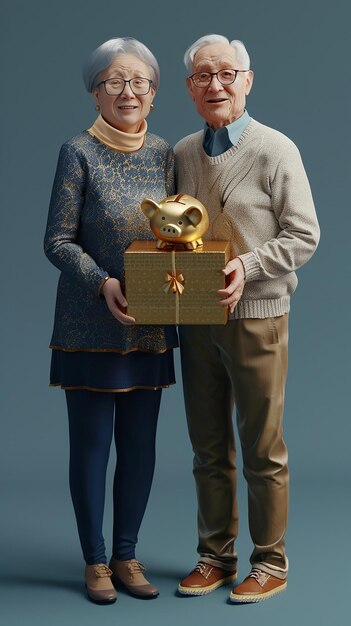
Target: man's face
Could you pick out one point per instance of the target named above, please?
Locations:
(219, 104)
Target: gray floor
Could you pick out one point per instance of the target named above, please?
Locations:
(41, 567)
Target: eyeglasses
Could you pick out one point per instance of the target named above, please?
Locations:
(115, 86)
(225, 77)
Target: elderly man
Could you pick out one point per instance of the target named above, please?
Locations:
(253, 183)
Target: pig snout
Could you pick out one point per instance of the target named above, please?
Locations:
(171, 230)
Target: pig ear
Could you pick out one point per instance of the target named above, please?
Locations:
(194, 214)
(149, 207)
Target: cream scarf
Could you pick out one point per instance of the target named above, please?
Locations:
(117, 139)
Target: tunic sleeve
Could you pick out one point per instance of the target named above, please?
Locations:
(61, 242)
(170, 173)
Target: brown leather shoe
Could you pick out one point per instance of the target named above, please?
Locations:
(98, 584)
(204, 579)
(129, 574)
(257, 586)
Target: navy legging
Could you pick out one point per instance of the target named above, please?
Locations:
(93, 416)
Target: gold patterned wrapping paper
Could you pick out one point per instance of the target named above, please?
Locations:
(176, 286)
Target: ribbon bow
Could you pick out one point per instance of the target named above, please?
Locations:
(174, 283)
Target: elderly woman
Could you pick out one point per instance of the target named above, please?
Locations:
(112, 370)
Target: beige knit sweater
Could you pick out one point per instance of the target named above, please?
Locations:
(258, 197)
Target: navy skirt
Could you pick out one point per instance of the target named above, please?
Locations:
(111, 371)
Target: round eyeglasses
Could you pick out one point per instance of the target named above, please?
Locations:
(115, 86)
(225, 77)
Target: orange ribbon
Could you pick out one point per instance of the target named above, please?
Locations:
(173, 283)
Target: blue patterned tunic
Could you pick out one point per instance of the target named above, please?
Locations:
(94, 215)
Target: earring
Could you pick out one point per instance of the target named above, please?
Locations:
(152, 106)
(97, 107)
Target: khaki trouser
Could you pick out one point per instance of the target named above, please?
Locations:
(244, 362)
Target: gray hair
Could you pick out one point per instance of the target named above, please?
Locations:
(241, 52)
(103, 56)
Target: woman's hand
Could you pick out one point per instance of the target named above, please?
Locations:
(116, 301)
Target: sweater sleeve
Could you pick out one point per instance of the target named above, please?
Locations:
(61, 238)
(293, 207)
(185, 168)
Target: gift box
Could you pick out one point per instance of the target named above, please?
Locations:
(172, 286)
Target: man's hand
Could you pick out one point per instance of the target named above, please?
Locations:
(233, 292)
(116, 301)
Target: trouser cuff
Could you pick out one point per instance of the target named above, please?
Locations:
(278, 572)
(228, 566)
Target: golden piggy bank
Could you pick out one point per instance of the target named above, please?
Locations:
(177, 219)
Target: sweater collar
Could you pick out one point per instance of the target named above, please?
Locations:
(117, 139)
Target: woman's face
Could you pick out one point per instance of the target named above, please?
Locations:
(127, 110)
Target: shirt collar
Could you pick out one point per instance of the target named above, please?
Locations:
(216, 142)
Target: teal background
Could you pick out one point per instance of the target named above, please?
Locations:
(300, 55)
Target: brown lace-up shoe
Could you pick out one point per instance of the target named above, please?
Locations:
(130, 575)
(98, 584)
(204, 579)
(257, 586)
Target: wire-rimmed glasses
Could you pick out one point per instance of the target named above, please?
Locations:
(225, 77)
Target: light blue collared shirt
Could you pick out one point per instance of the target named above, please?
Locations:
(218, 141)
